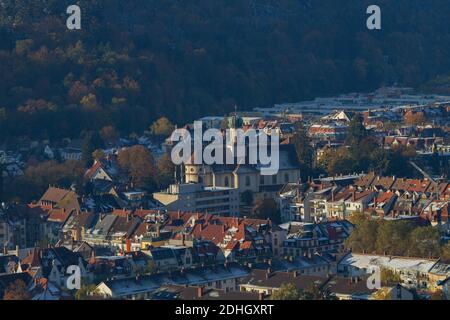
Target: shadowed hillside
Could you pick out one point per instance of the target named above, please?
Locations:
(134, 61)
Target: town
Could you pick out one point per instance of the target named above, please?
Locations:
(363, 182)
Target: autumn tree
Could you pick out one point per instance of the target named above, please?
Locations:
(267, 209)
(36, 179)
(17, 291)
(389, 278)
(393, 237)
(87, 292)
(162, 127)
(98, 154)
(89, 101)
(413, 118)
(425, 242)
(445, 255)
(165, 171)
(247, 197)
(139, 164)
(91, 142)
(356, 132)
(287, 292)
(304, 150)
(109, 134)
(364, 236)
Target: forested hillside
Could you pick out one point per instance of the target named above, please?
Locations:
(136, 60)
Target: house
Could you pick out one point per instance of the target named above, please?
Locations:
(56, 218)
(412, 271)
(60, 198)
(267, 281)
(328, 132)
(73, 151)
(9, 263)
(165, 258)
(349, 288)
(307, 239)
(52, 264)
(98, 171)
(99, 234)
(225, 277)
(174, 292)
(348, 201)
(122, 228)
(445, 285)
(239, 239)
(26, 225)
(400, 292)
(76, 225)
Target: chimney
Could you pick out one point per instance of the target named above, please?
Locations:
(332, 196)
(353, 196)
(268, 272)
(261, 296)
(5, 249)
(295, 274)
(200, 292)
(17, 251)
(158, 230)
(128, 244)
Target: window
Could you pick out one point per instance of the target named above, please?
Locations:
(274, 179)
(247, 181)
(261, 180)
(227, 182)
(286, 177)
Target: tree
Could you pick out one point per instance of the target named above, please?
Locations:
(98, 154)
(389, 278)
(356, 131)
(149, 268)
(337, 161)
(17, 291)
(393, 237)
(86, 292)
(109, 134)
(89, 101)
(425, 242)
(267, 209)
(305, 152)
(36, 179)
(139, 164)
(383, 294)
(162, 127)
(287, 292)
(438, 295)
(91, 142)
(165, 171)
(247, 197)
(445, 255)
(414, 118)
(364, 236)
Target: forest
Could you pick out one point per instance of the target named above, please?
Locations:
(135, 61)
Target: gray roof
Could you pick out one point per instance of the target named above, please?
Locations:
(199, 276)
